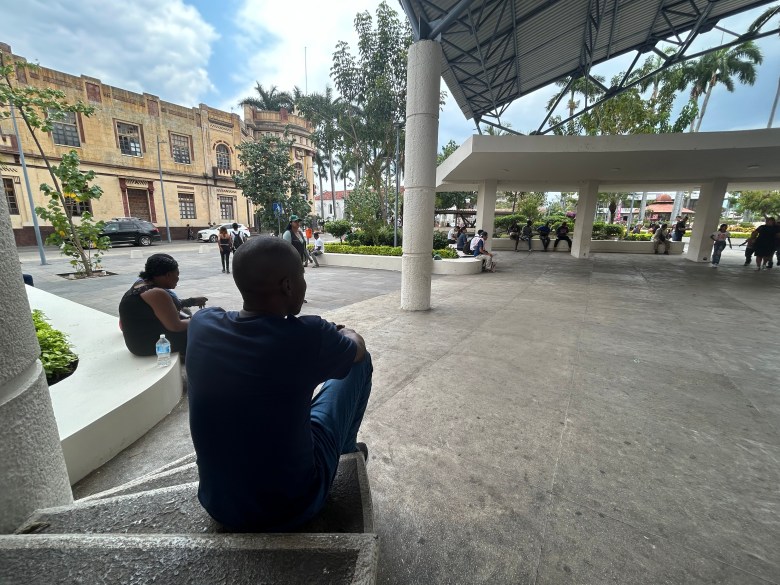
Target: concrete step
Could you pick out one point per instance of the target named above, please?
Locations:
(170, 477)
(238, 559)
(176, 509)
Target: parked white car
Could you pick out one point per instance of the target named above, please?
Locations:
(210, 234)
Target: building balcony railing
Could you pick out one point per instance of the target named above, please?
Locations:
(220, 173)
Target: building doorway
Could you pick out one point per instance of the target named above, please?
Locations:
(138, 202)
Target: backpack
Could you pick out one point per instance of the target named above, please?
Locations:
(238, 239)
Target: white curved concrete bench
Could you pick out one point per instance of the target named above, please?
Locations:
(598, 246)
(113, 398)
(458, 266)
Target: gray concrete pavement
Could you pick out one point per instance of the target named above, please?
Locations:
(612, 420)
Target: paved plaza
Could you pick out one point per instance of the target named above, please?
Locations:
(610, 420)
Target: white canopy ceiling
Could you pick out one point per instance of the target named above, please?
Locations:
(747, 159)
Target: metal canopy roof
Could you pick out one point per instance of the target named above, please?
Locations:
(496, 51)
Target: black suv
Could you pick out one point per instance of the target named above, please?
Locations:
(131, 230)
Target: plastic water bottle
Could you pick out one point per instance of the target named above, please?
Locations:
(163, 348)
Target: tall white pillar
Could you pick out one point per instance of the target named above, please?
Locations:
(422, 135)
(583, 227)
(708, 212)
(486, 207)
(32, 467)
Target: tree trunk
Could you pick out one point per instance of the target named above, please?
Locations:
(612, 209)
(322, 198)
(332, 184)
(643, 206)
(711, 85)
(75, 240)
(774, 105)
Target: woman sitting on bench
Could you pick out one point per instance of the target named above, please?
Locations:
(149, 309)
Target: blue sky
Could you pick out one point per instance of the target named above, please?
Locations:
(205, 51)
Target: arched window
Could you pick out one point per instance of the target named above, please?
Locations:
(223, 157)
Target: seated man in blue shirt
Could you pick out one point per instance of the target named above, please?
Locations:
(267, 452)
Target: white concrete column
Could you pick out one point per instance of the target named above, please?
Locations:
(32, 467)
(486, 207)
(583, 227)
(422, 135)
(708, 212)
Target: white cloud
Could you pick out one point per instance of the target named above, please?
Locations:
(157, 46)
(273, 38)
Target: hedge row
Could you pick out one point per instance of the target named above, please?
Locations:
(381, 250)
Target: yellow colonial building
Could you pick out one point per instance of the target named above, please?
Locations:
(120, 142)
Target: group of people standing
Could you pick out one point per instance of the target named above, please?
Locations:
(228, 241)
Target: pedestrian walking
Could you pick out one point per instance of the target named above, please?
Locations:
(225, 245)
(749, 249)
(719, 238)
(766, 242)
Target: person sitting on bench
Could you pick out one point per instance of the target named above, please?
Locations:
(661, 238)
(562, 234)
(479, 251)
(267, 452)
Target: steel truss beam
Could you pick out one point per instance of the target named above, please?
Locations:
(669, 61)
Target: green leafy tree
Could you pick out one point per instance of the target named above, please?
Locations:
(528, 204)
(373, 88)
(764, 203)
(363, 208)
(40, 109)
(580, 87)
(323, 111)
(75, 187)
(339, 228)
(270, 177)
(449, 199)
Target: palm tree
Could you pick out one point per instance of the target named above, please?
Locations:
(320, 172)
(582, 86)
(271, 99)
(322, 110)
(343, 162)
(765, 17)
(721, 66)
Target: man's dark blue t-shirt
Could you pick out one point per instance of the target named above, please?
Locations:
(250, 384)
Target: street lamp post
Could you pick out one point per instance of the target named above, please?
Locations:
(162, 188)
(36, 227)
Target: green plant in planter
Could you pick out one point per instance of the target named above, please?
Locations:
(614, 230)
(56, 355)
(639, 237)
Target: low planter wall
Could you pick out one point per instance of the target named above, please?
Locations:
(113, 398)
(598, 246)
(629, 247)
(457, 266)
